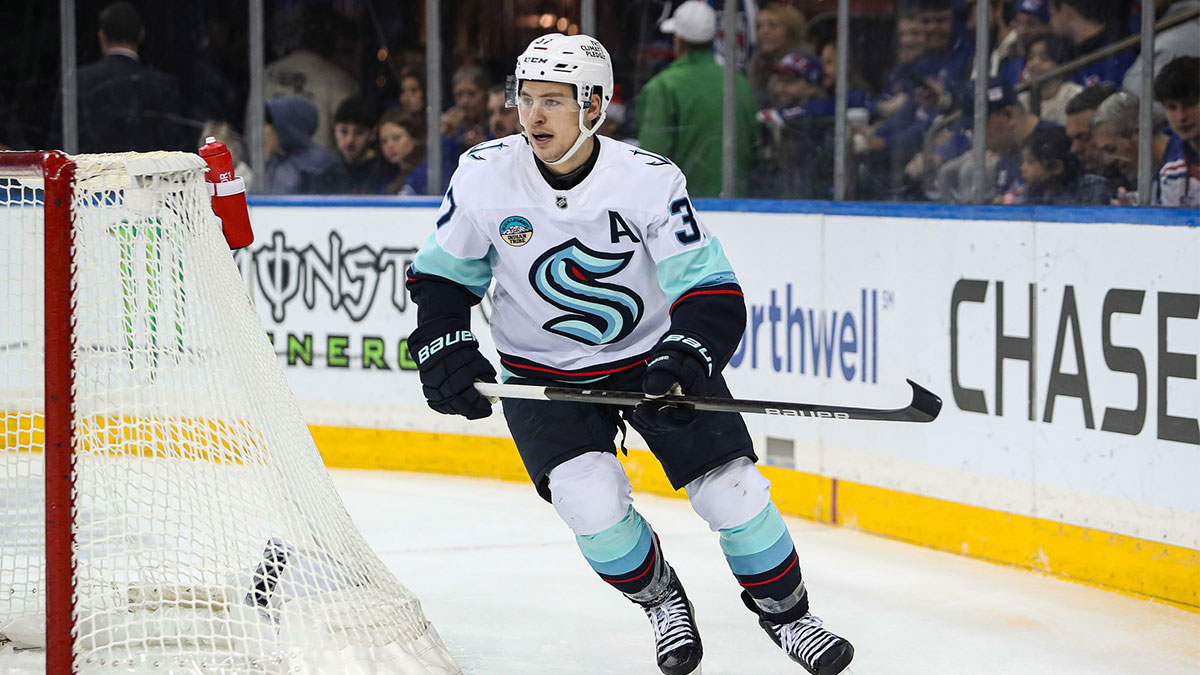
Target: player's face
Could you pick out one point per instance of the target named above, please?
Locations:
(1184, 118)
(550, 116)
(395, 141)
(352, 140)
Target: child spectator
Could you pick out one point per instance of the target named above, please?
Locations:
(354, 135)
(1047, 52)
(1052, 175)
(1177, 88)
(797, 156)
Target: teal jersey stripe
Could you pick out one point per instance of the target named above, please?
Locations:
(619, 548)
(764, 561)
(756, 535)
(705, 266)
(474, 273)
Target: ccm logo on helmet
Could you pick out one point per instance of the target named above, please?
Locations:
(442, 342)
(807, 413)
(536, 59)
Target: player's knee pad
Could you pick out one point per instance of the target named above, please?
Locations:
(730, 494)
(591, 492)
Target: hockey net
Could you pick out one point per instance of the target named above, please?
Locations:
(204, 533)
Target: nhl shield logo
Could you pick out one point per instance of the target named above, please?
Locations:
(516, 230)
(560, 201)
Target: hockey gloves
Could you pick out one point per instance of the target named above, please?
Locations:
(449, 361)
(676, 359)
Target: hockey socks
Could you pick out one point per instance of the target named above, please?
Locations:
(763, 559)
(628, 557)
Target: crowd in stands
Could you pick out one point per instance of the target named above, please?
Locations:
(1068, 140)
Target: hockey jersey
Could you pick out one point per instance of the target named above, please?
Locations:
(1179, 176)
(584, 278)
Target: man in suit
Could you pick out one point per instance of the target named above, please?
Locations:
(124, 104)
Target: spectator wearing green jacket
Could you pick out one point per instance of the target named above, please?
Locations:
(679, 111)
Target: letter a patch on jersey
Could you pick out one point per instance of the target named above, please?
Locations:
(568, 277)
(618, 228)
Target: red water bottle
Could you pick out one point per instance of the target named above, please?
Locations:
(228, 194)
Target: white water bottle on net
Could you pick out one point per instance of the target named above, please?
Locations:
(188, 523)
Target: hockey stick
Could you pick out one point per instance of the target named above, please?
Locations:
(924, 407)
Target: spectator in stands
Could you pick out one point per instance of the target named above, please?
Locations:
(1079, 115)
(948, 53)
(307, 72)
(856, 94)
(1177, 88)
(402, 139)
(1182, 40)
(354, 131)
(910, 47)
(1047, 52)
(1090, 26)
(412, 90)
(124, 104)
(1114, 128)
(797, 155)
(1009, 124)
(502, 120)
(779, 29)
(295, 163)
(466, 121)
(225, 133)
(1031, 18)
(402, 143)
(679, 110)
(1051, 174)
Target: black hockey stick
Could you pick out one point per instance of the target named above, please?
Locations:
(924, 407)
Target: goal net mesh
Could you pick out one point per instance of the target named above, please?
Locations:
(208, 534)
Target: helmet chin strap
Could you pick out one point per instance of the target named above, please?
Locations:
(584, 133)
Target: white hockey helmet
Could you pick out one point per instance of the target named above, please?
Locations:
(578, 60)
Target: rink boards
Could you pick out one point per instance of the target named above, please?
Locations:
(1063, 342)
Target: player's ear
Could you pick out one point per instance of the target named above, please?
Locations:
(594, 109)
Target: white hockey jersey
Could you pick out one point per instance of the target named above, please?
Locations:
(584, 277)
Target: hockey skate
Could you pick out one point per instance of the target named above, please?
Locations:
(676, 638)
(806, 642)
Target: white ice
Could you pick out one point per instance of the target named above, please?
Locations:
(501, 579)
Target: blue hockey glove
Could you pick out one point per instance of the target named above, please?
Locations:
(449, 362)
(676, 359)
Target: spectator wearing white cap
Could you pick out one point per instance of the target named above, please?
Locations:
(679, 111)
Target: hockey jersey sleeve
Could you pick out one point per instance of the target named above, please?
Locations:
(452, 270)
(706, 299)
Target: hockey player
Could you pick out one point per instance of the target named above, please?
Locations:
(606, 275)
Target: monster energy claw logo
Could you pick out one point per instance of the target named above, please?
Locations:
(568, 277)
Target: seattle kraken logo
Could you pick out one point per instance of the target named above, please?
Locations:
(568, 278)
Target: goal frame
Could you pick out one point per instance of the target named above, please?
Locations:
(57, 171)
